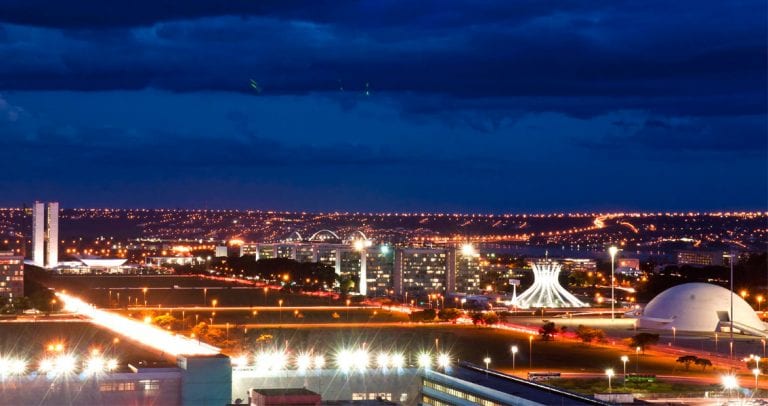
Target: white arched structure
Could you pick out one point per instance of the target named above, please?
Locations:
(357, 235)
(324, 235)
(294, 237)
(546, 290)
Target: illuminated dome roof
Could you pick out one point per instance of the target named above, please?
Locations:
(700, 307)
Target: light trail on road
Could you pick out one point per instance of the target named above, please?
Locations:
(145, 334)
(250, 308)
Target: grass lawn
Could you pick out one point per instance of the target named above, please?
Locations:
(469, 343)
(591, 386)
(472, 344)
(276, 316)
(116, 291)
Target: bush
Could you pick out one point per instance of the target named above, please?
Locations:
(449, 314)
(490, 318)
(588, 334)
(424, 315)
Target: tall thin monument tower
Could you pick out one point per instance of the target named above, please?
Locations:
(45, 234)
(52, 254)
(38, 234)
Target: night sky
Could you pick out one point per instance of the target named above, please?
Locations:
(477, 106)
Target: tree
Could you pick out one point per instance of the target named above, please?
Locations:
(687, 360)
(643, 340)
(547, 331)
(752, 364)
(477, 318)
(166, 321)
(449, 314)
(490, 318)
(588, 334)
(424, 315)
(703, 362)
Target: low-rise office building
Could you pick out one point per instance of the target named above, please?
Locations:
(468, 384)
(11, 276)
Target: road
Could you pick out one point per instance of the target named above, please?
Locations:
(325, 325)
(744, 381)
(252, 308)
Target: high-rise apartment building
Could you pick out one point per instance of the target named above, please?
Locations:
(379, 268)
(45, 234)
(422, 271)
(466, 278)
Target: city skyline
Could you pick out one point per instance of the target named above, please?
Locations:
(355, 106)
(431, 202)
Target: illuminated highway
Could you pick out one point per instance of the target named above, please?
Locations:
(250, 308)
(145, 334)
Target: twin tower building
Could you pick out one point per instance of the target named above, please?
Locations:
(45, 234)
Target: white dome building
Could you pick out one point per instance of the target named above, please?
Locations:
(700, 307)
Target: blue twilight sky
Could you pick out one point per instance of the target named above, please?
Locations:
(476, 106)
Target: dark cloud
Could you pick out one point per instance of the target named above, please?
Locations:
(608, 56)
(432, 96)
(743, 135)
(429, 15)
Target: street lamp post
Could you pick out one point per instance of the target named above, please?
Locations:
(613, 250)
(609, 372)
(487, 361)
(730, 382)
(674, 335)
(624, 359)
(756, 372)
(731, 314)
(637, 359)
(144, 291)
(514, 353)
(348, 302)
(530, 352)
(280, 303)
(205, 296)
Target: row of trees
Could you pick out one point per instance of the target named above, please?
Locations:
(688, 360)
(452, 314)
